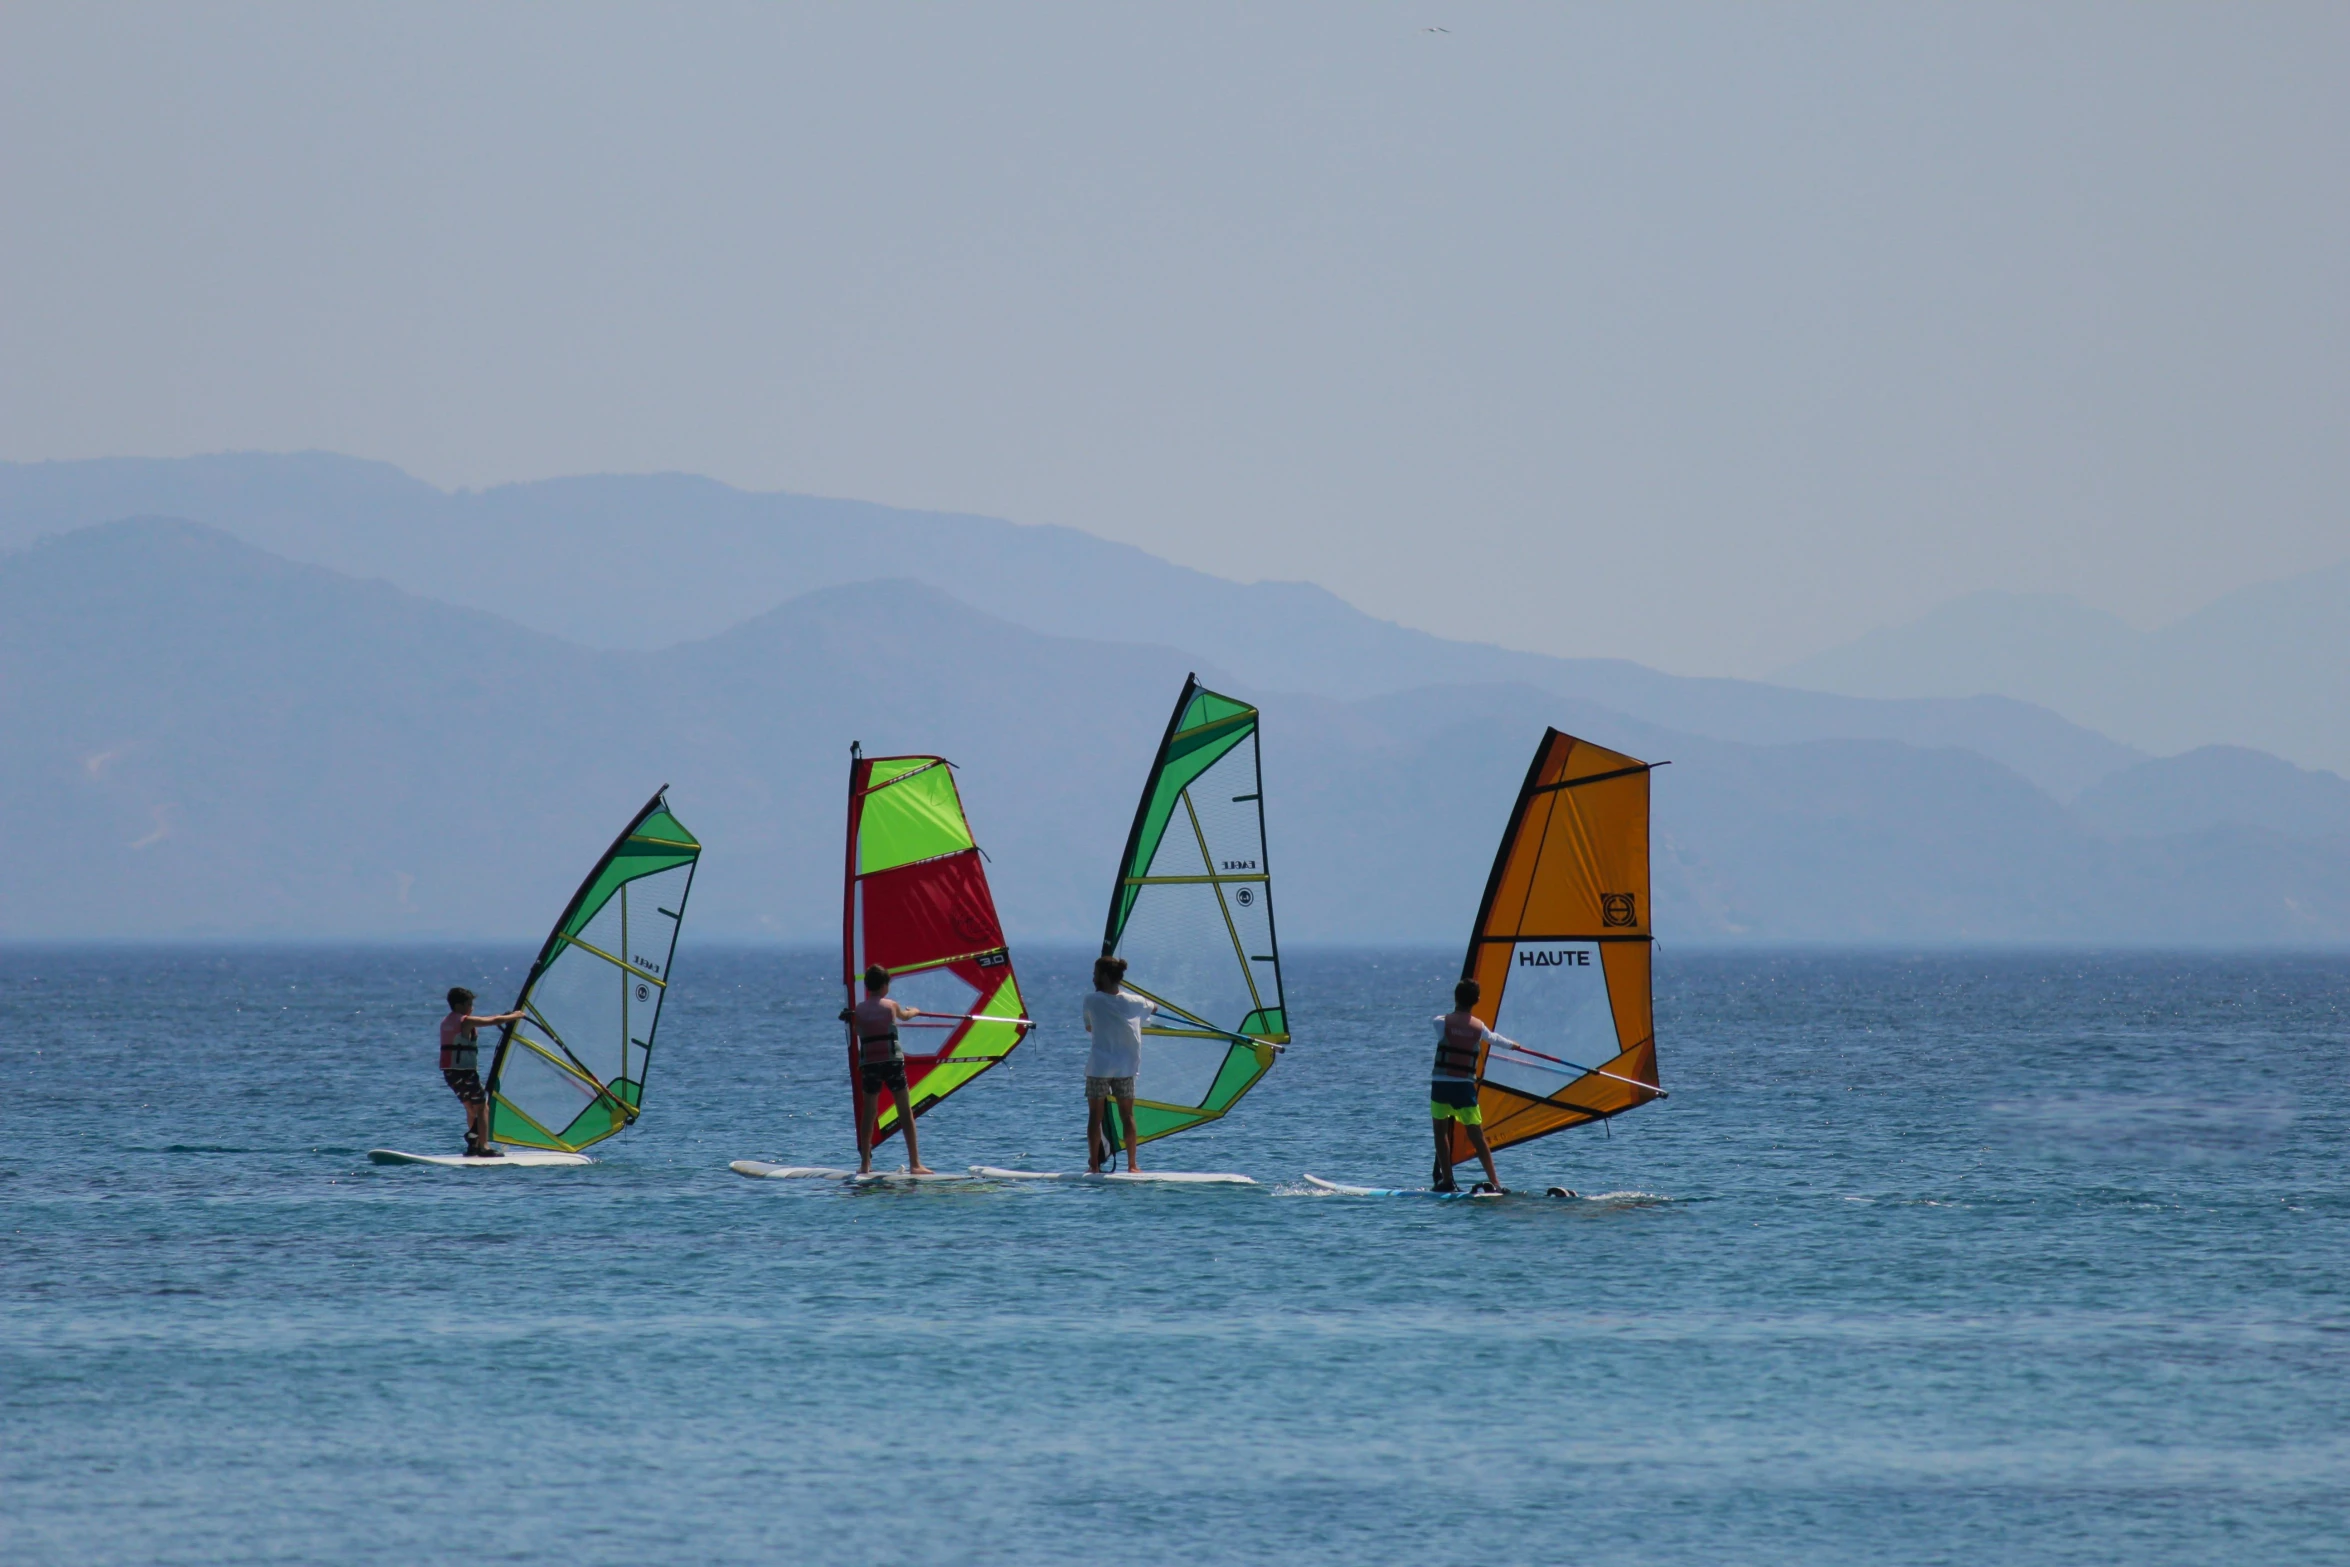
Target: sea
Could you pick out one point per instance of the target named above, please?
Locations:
(1962, 1257)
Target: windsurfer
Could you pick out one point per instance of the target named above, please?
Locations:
(1452, 1086)
(1113, 1016)
(461, 1067)
(881, 1063)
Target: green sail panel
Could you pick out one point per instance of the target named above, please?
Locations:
(1192, 914)
(572, 1072)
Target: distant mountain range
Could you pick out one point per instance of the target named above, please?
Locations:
(646, 562)
(208, 738)
(2267, 666)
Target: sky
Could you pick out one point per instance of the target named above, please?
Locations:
(1707, 336)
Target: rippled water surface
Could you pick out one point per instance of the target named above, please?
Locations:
(1966, 1259)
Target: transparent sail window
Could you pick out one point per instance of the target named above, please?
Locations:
(1554, 1001)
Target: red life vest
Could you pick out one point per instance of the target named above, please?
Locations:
(1456, 1052)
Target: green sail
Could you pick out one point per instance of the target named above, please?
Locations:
(1192, 914)
(572, 1072)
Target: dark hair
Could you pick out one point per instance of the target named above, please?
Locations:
(1107, 972)
(459, 998)
(1465, 994)
(877, 978)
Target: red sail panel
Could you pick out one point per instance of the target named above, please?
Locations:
(923, 913)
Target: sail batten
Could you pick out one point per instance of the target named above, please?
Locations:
(592, 1001)
(1191, 910)
(916, 903)
(1561, 949)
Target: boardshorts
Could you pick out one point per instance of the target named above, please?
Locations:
(1108, 1087)
(877, 1075)
(465, 1083)
(1454, 1099)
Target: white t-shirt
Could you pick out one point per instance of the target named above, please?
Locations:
(1115, 1022)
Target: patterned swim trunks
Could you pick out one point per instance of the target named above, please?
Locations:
(465, 1083)
(878, 1075)
(1109, 1087)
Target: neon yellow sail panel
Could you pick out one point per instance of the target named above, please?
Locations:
(572, 1072)
(916, 902)
(1192, 914)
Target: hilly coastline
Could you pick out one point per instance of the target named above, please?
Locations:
(214, 740)
(648, 561)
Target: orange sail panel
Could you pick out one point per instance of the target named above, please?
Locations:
(1561, 949)
(915, 901)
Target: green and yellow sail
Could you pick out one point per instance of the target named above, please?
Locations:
(1192, 913)
(572, 1072)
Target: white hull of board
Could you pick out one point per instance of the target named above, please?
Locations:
(760, 1170)
(512, 1159)
(1335, 1189)
(1118, 1178)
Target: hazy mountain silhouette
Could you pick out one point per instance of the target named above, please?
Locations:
(646, 562)
(206, 739)
(2219, 786)
(2267, 666)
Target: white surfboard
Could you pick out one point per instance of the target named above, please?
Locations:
(513, 1158)
(760, 1170)
(1118, 1177)
(1337, 1190)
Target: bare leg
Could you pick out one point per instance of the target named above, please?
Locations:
(1095, 1138)
(1477, 1141)
(864, 1123)
(1441, 1178)
(1133, 1138)
(914, 1164)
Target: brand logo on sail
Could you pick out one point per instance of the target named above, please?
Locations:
(1564, 957)
(1244, 897)
(1616, 908)
(996, 959)
(644, 992)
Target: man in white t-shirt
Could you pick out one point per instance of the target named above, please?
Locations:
(1113, 1017)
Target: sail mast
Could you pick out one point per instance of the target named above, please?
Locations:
(1121, 898)
(848, 915)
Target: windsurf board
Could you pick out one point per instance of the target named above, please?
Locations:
(513, 1158)
(1118, 1177)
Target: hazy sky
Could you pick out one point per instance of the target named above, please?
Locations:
(1702, 335)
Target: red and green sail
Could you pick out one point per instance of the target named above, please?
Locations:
(1192, 914)
(572, 1072)
(916, 902)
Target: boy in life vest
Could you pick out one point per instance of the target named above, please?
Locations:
(881, 1063)
(1452, 1086)
(461, 1068)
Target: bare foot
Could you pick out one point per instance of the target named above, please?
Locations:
(920, 1169)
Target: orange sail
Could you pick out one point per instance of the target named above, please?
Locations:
(1561, 949)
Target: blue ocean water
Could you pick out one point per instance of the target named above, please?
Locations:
(1960, 1258)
